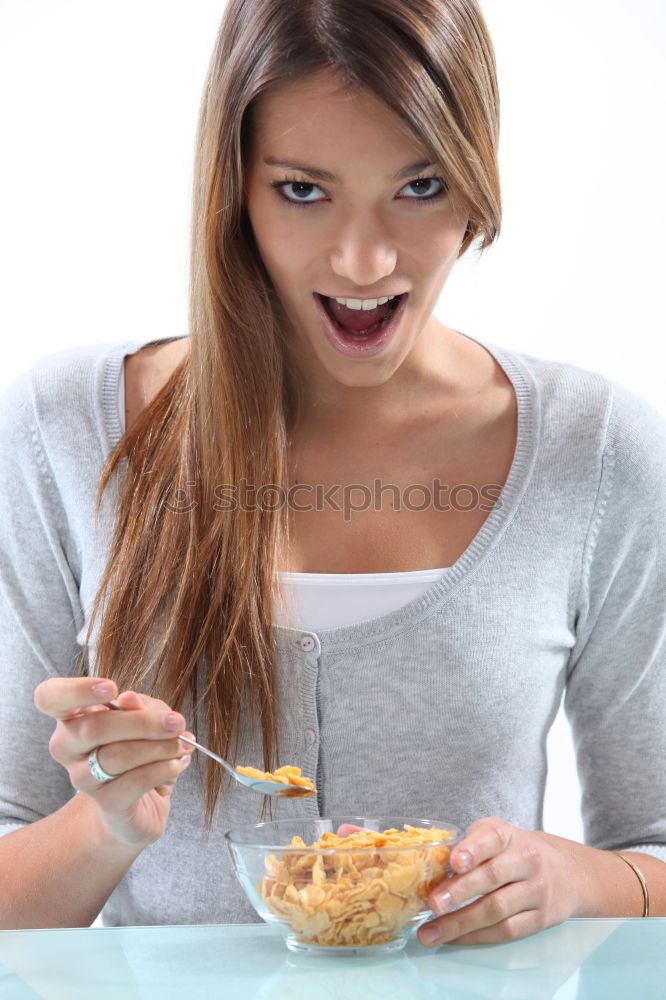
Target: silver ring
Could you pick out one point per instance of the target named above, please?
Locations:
(98, 773)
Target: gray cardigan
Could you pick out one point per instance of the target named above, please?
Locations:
(562, 591)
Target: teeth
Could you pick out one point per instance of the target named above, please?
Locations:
(364, 304)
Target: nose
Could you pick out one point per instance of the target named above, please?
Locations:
(363, 252)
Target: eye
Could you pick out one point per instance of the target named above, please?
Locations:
(429, 181)
(307, 189)
(293, 183)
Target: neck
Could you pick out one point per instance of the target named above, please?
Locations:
(432, 373)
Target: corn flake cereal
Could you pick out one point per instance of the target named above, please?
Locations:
(286, 775)
(355, 899)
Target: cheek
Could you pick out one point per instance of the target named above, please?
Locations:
(442, 247)
(265, 224)
(283, 247)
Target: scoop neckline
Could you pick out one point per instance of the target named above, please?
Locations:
(459, 574)
(113, 372)
(451, 578)
(405, 575)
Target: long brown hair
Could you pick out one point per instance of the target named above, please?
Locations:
(185, 601)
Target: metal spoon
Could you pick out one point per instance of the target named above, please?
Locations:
(256, 784)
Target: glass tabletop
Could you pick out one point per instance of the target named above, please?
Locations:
(578, 960)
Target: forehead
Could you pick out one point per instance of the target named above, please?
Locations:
(320, 113)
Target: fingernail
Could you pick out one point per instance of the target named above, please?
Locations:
(463, 861)
(442, 901)
(173, 721)
(103, 689)
(430, 934)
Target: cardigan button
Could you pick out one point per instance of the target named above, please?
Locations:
(307, 643)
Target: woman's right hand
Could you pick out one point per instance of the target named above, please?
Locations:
(138, 745)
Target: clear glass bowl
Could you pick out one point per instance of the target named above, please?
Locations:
(329, 899)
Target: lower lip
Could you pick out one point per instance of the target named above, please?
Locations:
(375, 343)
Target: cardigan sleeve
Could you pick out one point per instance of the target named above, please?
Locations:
(616, 691)
(40, 612)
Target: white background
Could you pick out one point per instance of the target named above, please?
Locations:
(99, 104)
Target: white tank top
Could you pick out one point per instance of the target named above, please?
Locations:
(328, 600)
(318, 601)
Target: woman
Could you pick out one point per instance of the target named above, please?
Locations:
(279, 438)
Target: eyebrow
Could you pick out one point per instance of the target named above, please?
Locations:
(326, 175)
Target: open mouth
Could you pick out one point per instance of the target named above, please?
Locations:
(359, 324)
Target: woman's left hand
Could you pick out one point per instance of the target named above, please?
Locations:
(526, 881)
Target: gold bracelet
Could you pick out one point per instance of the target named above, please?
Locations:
(641, 878)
